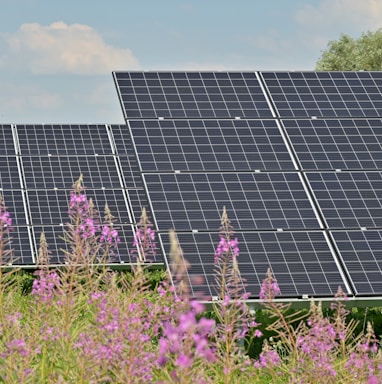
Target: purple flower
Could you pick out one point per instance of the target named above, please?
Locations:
(225, 246)
(144, 244)
(269, 288)
(45, 286)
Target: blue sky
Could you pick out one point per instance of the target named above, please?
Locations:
(56, 57)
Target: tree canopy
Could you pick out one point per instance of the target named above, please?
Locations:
(349, 54)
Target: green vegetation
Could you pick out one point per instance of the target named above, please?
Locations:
(349, 54)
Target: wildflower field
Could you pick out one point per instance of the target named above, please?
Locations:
(84, 323)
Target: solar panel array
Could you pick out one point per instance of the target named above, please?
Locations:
(39, 165)
(295, 157)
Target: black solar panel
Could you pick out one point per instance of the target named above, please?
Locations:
(336, 143)
(54, 235)
(7, 146)
(58, 247)
(209, 145)
(361, 252)
(191, 95)
(20, 247)
(348, 199)
(131, 173)
(9, 173)
(69, 139)
(301, 262)
(14, 203)
(49, 172)
(325, 94)
(51, 206)
(194, 201)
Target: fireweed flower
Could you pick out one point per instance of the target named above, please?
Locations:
(269, 288)
(187, 340)
(225, 246)
(144, 239)
(109, 235)
(45, 286)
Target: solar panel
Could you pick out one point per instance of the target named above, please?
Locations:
(51, 206)
(194, 201)
(54, 235)
(7, 147)
(58, 247)
(9, 173)
(348, 199)
(20, 247)
(131, 173)
(209, 145)
(49, 172)
(14, 202)
(148, 95)
(126, 155)
(325, 94)
(336, 143)
(302, 262)
(361, 252)
(66, 139)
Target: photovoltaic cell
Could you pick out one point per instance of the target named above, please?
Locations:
(336, 143)
(150, 95)
(325, 94)
(361, 252)
(348, 199)
(68, 139)
(302, 262)
(209, 145)
(49, 172)
(195, 201)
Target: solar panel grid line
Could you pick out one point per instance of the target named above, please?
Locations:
(15, 140)
(310, 194)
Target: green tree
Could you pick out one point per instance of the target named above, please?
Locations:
(349, 54)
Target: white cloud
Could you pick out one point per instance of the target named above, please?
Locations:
(63, 48)
(16, 99)
(348, 14)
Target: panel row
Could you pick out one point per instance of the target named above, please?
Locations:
(40, 163)
(148, 95)
(247, 145)
(302, 262)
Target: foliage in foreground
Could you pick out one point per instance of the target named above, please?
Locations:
(86, 324)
